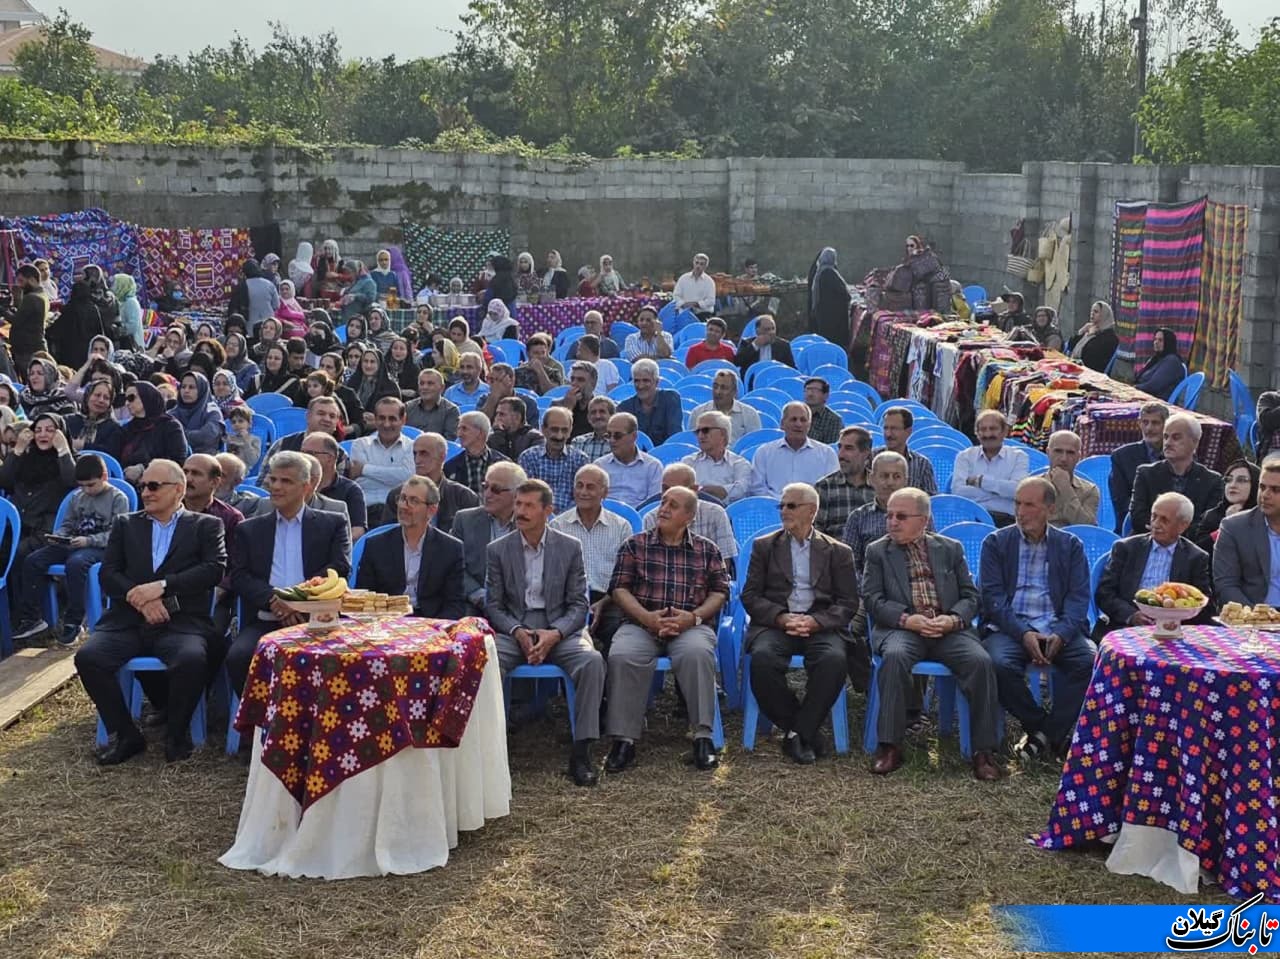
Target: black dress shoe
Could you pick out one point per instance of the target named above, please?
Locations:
(581, 769)
(621, 755)
(704, 754)
(820, 745)
(122, 750)
(795, 749)
(176, 750)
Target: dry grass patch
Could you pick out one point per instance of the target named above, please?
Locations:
(759, 859)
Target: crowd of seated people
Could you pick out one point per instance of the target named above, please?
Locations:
(621, 473)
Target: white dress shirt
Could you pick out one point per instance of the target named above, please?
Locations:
(800, 599)
(632, 483)
(412, 567)
(733, 473)
(385, 467)
(696, 289)
(1000, 474)
(743, 419)
(533, 565)
(776, 464)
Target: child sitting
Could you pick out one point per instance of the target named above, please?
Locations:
(240, 441)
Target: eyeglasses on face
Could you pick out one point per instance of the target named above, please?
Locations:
(706, 429)
(494, 488)
(902, 517)
(154, 486)
(412, 501)
(788, 506)
(617, 436)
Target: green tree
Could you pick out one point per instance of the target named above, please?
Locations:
(61, 60)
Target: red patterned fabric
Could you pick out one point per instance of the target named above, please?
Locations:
(335, 704)
(206, 262)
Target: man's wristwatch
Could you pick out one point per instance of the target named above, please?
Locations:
(164, 586)
(697, 620)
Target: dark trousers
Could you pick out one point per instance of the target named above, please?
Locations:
(826, 663)
(99, 659)
(602, 629)
(35, 569)
(240, 653)
(1072, 670)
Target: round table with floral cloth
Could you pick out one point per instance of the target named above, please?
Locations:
(1172, 760)
(375, 743)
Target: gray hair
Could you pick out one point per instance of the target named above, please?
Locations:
(299, 463)
(477, 420)
(889, 456)
(518, 475)
(1189, 422)
(684, 470)
(588, 369)
(233, 468)
(1186, 508)
(1047, 489)
(1064, 435)
(646, 366)
(991, 414)
(175, 469)
(731, 375)
(316, 470)
(805, 491)
(917, 496)
(1270, 463)
(719, 420)
(1154, 408)
(431, 492)
(324, 439)
(798, 405)
(598, 472)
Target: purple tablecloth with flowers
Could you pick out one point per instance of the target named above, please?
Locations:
(544, 317)
(1179, 735)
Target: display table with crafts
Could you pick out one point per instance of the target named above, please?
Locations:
(1173, 760)
(550, 317)
(374, 744)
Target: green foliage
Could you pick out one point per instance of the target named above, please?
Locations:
(62, 62)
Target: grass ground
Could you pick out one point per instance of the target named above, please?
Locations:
(761, 858)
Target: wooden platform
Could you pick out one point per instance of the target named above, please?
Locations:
(30, 676)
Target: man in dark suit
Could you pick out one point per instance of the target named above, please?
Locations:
(481, 525)
(281, 548)
(1178, 472)
(1126, 459)
(416, 559)
(1035, 604)
(801, 595)
(765, 345)
(160, 569)
(1146, 560)
(536, 599)
(1246, 568)
(921, 600)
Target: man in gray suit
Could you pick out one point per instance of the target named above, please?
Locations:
(479, 526)
(1245, 566)
(536, 598)
(922, 601)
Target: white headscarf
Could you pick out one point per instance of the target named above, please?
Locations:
(496, 321)
(300, 266)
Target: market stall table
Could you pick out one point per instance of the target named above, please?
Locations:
(1173, 760)
(373, 745)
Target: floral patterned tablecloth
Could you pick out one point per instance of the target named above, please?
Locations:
(335, 704)
(1179, 735)
(544, 317)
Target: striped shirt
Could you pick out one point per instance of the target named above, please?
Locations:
(600, 543)
(1159, 565)
(919, 470)
(837, 499)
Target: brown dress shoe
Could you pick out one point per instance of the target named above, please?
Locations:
(886, 759)
(985, 768)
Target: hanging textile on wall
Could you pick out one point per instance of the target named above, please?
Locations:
(1126, 271)
(1172, 264)
(1217, 337)
(72, 241)
(10, 259)
(206, 262)
(448, 253)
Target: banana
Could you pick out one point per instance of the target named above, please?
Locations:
(336, 591)
(322, 589)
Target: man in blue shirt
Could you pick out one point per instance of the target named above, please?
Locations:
(657, 411)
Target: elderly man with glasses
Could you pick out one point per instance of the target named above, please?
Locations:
(720, 471)
(481, 525)
(633, 476)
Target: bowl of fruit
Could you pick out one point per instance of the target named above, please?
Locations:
(319, 599)
(1169, 605)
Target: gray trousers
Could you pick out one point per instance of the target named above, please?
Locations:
(961, 653)
(632, 660)
(577, 657)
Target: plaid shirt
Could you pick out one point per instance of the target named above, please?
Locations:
(557, 471)
(601, 543)
(469, 470)
(593, 446)
(1031, 595)
(919, 471)
(865, 525)
(924, 591)
(1159, 566)
(658, 575)
(837, 498)
(825, 426)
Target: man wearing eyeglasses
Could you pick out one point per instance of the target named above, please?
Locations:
(415, 559)
(669, 584)
(481, 525)
(159, 570)
(282, 548)
(922, 601)
(800, 595)
(719, 471)
(324, 448)
(633, 476)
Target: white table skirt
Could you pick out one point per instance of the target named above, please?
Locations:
(1156, 853)
(401, 816)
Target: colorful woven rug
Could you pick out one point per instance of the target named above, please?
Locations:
(1217, 343)
(1126, 271)
(206, 262)
(448, 253)
(71, 241)
(1172, 264)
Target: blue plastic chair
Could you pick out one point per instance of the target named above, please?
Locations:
(619, 330)
(540, 673)
(687, 437)
(806, 340)
(691, 334)
(1126, 528)
(948, 509)
(132, 690)
(942, 456)
(1243, 410)
(951, 704)
(1187, 393)
(774, 374)
(714, 366)
(749, 330)
(670, 452)
(124, 486)
(755, 369)
(1097, 470)
(114, 469)
(1037, 462)
(764, 406)
(753, 439)
(643, 443)
(777, 397)
(674, 369)
(629, 513)
(974, 294)
(9, 521)
(264, 403)
(1097, 540)
(1098, 567)
(623, 391)
(253, 490)
(508, 351)
(357, 550)
(660, 671)
(696, 392)
(865, 390)
(669, 309)
(288, 420)
(264, 430)
(919, 412)
(822, 354)
(970, 535)
(1111, 363)
(678, 322)
(748, 516)
(566, 337)
(834, 375)
(752, 720)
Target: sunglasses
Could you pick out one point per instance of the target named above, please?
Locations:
(782, 506)
(490, 488)
(902, 517)
(616, 436)
(706, 429)
(154, 486)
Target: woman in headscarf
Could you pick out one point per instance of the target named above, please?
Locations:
(300, 269)
(332, 364)
(361, 294)
(527, 281)
(94, 419)
(292, 317)
(1164, 371)
(401, 367)
(320, 337)
(150, 434)
(930, 280)
(502, 285)
(1239, 493)
(351, 354)
(384, 278)
(48, 286)
(1096, 342)
(199, 415)
(215, 351)
(829, 300)
(239, 362)
(171, 352)
(235, 323)
(460, 333)
(327, 282)
(586, 282)
(9, 396)
(1043, 328)
(399, 267)
(81, 319)
(101, 350)
(269, 334)
(172, 299)
(357, 329)
(370, 383)
(555, 277)
(443, 356)
(608, 282)
(44, 392)
(498, 323)
(275, 376)
(379, 333)
(271, 269)
(36, 474)
(226, 392)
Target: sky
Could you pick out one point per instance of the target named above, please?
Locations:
(418, 28)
